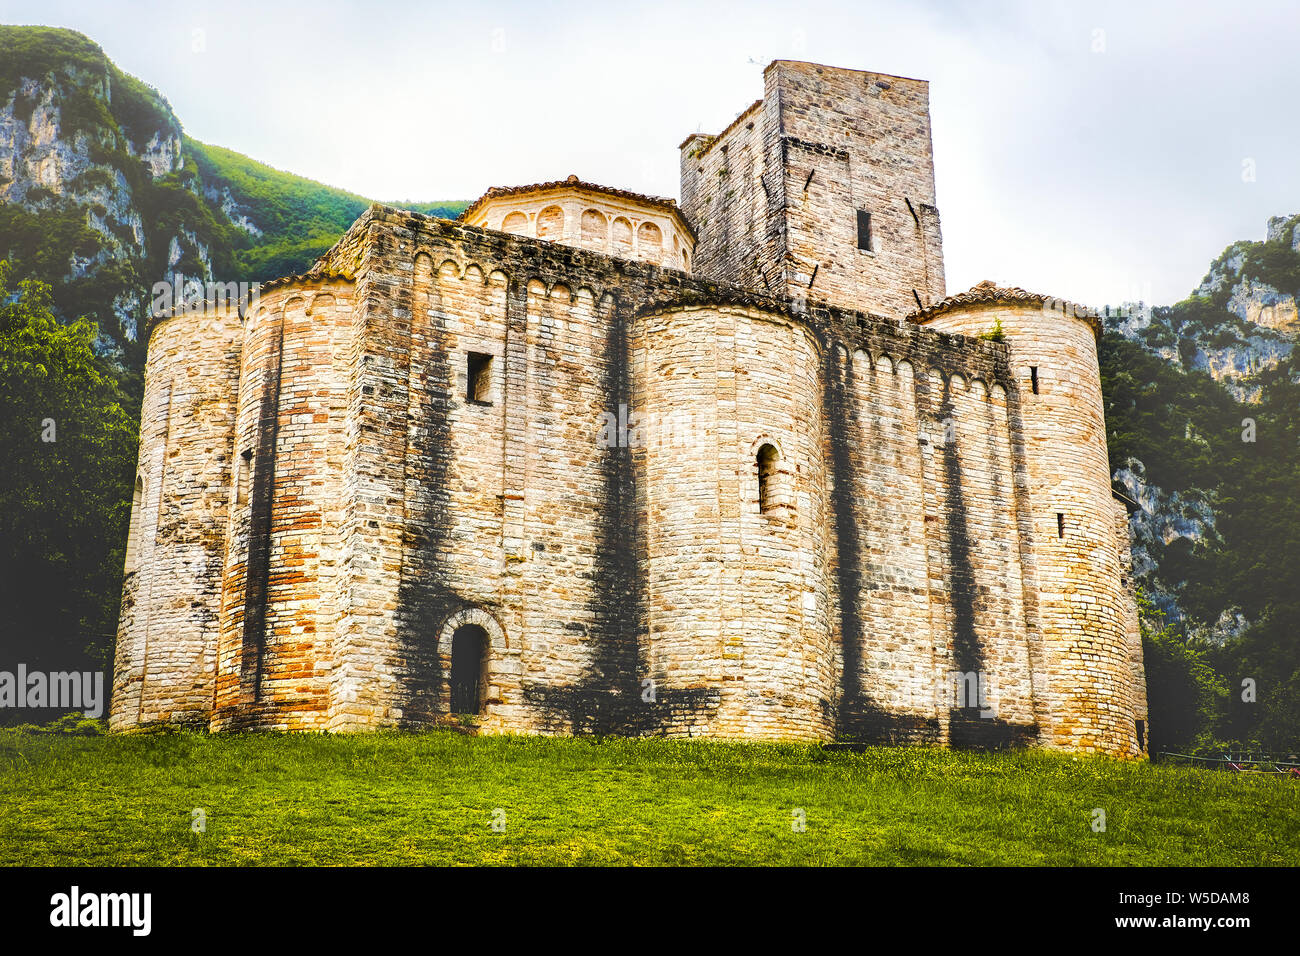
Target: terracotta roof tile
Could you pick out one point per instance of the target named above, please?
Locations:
(990, 292)
(310, 276)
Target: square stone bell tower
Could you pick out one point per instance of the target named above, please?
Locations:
(823, 189)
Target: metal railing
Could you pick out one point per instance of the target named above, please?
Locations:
(1244, 762)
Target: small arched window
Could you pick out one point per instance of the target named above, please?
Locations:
(243, 465)
(767, 460)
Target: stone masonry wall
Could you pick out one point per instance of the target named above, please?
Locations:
(929, 540)
(629, 588)
(165, 664)
(731, 196)
(564, 666)
(281, 582)
(866, 139)
(618, 225)
(738, 597)
(1132, 626)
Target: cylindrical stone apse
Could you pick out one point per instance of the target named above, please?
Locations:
(1085, 689)
(165, 664)
(730, 450)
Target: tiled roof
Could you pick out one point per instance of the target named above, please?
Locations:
(309, 276)
(990, 292)
(573, 182)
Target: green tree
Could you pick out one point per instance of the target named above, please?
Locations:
(1262, 669)
(1185, 695)
(68, 448)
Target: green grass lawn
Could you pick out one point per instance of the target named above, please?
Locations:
(430, 798)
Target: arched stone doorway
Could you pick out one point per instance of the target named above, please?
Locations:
(469, 647)
(471, 653)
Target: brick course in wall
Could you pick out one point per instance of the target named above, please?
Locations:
(652, 502)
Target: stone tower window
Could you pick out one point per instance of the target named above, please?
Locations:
(478, 378)
(1060, 524)
(767, 461)
(1033, 378)
(468, 668)
(864, 231)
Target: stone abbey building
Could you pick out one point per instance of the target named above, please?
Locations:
(588, 461)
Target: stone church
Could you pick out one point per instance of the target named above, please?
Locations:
(592, 462)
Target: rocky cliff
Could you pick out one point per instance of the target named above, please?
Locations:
(1239, 324)
(102, 194)
(1211, 406)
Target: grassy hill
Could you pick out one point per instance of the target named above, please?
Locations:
(432, 798)
(298, 218)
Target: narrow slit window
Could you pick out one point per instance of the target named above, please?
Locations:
(864, 230)
(767, 459)
(241, 481)
(1033, 378)
(1060, 524)
(478, 378)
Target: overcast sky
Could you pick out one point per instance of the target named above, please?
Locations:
(1101, 152)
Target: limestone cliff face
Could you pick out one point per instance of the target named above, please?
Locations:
(230, 208)
(1165, 522)
(1239, 323)
(1233, 280)
(1240, 326)
(1162, 517)
(84, 150)
(102, 195)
